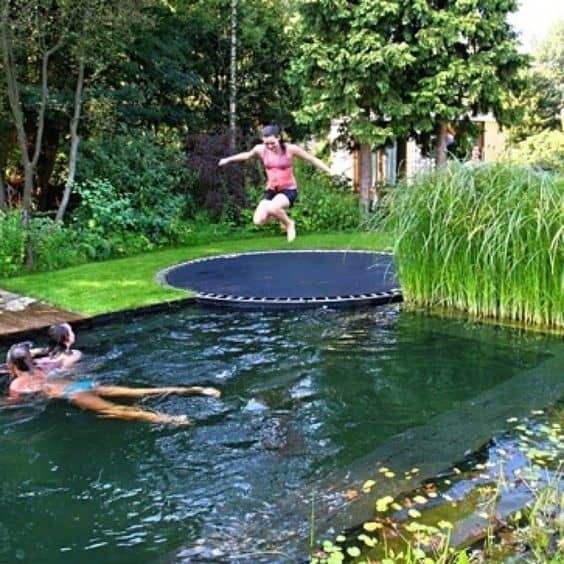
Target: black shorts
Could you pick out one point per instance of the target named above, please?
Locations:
(292, 195)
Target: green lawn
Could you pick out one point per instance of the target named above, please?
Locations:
(115, 285)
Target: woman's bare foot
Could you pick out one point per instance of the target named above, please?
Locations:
(291, 231)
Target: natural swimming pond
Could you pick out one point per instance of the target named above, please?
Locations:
(311, 402)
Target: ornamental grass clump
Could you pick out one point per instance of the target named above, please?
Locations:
(487, 240)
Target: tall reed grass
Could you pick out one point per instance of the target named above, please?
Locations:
(487, 240)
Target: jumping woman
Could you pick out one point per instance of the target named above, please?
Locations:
(281, 186)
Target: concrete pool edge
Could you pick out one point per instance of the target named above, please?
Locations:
(88, 322)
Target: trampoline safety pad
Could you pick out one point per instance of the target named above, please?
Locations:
(289, 279)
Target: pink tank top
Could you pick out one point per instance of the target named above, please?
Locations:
(279, 171)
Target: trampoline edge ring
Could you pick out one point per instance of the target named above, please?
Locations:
(227, 280)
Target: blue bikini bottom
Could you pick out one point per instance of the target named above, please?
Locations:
(79, 386)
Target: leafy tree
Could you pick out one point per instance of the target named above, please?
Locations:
(176, 71)
(50, 52)
(543, 99)
(405, 68)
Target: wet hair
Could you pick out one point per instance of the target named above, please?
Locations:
(19, 355)
(276, 131)
(57, 336)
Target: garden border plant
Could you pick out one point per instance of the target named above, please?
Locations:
(486, 240)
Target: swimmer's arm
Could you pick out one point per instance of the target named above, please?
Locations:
(245, 156)
(13, 397)
(71, 358)
(39, 351)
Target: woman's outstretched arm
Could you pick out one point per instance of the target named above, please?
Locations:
(303, 154)
(245, 156)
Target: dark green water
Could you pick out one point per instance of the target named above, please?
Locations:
(311, 401)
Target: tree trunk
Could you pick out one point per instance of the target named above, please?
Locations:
(29, 163)
(365, 155)
(2, 189)
(75, 141)
(233, 79)
(401, 160)
(46, 164)
(441, 151)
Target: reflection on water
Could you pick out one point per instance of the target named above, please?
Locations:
(308, 399)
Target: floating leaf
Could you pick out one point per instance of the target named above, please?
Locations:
(445, 524)
(336, 558)
(396, 506)
(372, 526)
(368, 484)
(413, 513)
(353, 551)
(389, 474)
(341, 538)
(512, 420)
(368, 541)
(383, 503)
(383, 469)
(420, 499)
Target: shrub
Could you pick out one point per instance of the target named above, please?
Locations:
(12, 240)
(133, 183)
(545, 150)
(216, 190)
(53, 245)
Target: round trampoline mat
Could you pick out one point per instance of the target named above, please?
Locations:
(281, 279)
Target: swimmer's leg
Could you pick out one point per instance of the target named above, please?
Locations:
(125, 392)
(92, 402)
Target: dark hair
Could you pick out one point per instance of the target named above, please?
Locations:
(57, 335)
(20, 356)
(276, 131)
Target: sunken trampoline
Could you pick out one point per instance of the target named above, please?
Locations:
(289, 279)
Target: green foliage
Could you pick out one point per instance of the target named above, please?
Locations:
(398, 68)
(175, 70)
(543, 98)
(544, 150)
(486, 240)
(53, 245)
(131, 184)
(11, 243)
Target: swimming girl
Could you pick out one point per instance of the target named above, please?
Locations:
(281, 186)
(27, 377)
(59, 354)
